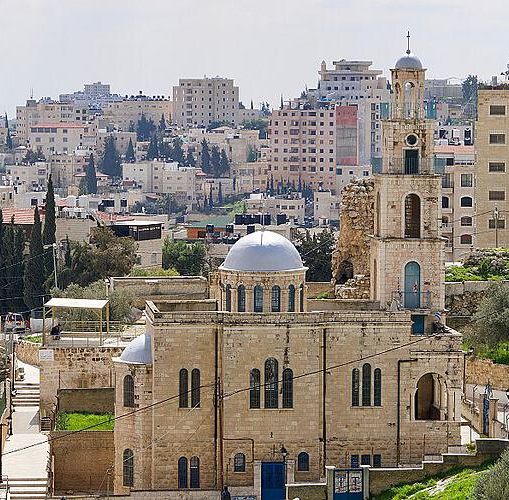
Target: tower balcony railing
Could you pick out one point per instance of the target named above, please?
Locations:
(409, 166)
(412, 300)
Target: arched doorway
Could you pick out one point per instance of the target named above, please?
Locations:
(430, 401)
(412, 293)
(345, 272)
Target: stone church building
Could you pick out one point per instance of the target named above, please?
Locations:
(257, 382)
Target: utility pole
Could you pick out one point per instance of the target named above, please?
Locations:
(495, 217)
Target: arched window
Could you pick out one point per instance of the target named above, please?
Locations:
(183, 388)
(466, 221)
(409, 100)
(241, 298)
(271, 383)
(291, 298)
(445, 202)
(129, 391)
(301, 298)
(345, 272)
(287, 388)
(303, 462)
(466, 239)
(412, 294)
(412, 216)
(254, 388)
(239, 462)
(182, 472)
(355, 387)
(228, 297)
(258, 299)
(128, 468)
(275, 303)
(377, 387)
(366, 384)
(466, 201)
(194, 472)
(195, 388)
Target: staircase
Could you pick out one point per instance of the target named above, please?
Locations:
(27, 489)
(27, 394)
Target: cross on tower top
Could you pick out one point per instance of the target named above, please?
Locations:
(408, 42)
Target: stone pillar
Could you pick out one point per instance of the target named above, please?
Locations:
(365, 482)
(257, 478)
(493, 417)
(329, 479)
(234, 299)
(249, 299)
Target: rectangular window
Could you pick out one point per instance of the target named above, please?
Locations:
(354, 461)
(497, 110)
(466, 180)
(500, 224)
(377, 460)
(497, 138)
(496, 166)
(496, 195)
(365, 459)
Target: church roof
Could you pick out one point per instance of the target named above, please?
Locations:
(263, 251)
(408, 61)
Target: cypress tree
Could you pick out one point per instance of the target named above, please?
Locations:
(205, 157)
(162, 124)
(220, 195)
(33, 279)
(153, 149)
(8, 140)
(110, 164)
(90, 176)
(17, 304)
(177, 153)
(50, 228)
(211, 199)
(224, 163)
(190, 161)
(215, 160)
(130, 157)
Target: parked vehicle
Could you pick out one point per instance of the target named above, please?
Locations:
(14, 323)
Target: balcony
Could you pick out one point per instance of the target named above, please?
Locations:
(412, 300)
(409, 166)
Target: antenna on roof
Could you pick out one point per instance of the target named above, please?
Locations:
(31, 93)
(408, 42)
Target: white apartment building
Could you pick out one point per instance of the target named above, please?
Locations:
(201, 101)
(62, 138)
(65, 167)
(32, 177)
(325, 207)
(459, 220)
(354, 82)
(345, 174)
(292, 205)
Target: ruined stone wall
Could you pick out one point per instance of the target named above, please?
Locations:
(28, 352)
(481, 371)
(462, 298)
(356, 224)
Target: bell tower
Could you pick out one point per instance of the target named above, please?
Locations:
(407, 262)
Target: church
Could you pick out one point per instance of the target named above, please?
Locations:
(257, 384)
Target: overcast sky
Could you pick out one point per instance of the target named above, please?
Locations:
(268, 47)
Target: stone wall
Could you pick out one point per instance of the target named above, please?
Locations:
(28, 352)
(481, 371)
(98, 400)
(356, 224)
(307, 491)
(315, 288)
(81, 461)
(354, 289)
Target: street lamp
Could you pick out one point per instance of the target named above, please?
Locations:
(284, 454)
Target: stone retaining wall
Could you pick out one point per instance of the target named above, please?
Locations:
(28, 352)
(481, 371)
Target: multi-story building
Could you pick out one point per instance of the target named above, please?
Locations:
(292, 205)
(62, 138)
(65, 167)
(201, 101)
(32, 177)
(443, 89)
(47, 111)
(125, 114)
(120, 138)
(492, 164)
(354, 82)
(458, 199)
(94, 95)
(326, 207)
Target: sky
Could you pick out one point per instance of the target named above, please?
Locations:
(269, 47)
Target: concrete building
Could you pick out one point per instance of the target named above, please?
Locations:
(292, 205)
(94, 95)
(492, 177)
(201, 101)
(443, 89)
(65, 167)
(326, 207)
(120, 138)
(345, 174)
(459, 218)
(32, 177)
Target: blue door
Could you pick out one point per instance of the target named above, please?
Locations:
(412, 299)
(273, 481)
(348, 484)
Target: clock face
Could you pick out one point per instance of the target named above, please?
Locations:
(411, 139)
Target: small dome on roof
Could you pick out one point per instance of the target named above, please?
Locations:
(263, 251)
(408, 61)
(138, 351)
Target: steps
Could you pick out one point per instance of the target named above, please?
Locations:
(27, 394)
(27, 488)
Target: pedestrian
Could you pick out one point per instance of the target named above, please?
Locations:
(225, 494)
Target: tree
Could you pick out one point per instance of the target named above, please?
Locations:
(110, 163)
(220, 195)
(32, 157)
(50, 228)
(188, 259)
(316, 253)
(17, 270)
(190, 161)
(34, 269)
(494, 483)
(153, 149)
(205, 157)
(177, 153)
(130, 157)
(470, 87)
(162, 124)
(224, 164)
(88, 184)
(211, 199)
(145, 128)
(215, 161)
(491, 320)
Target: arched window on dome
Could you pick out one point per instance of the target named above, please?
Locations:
(183, 388)
(258, 299)
(228, 297)
(275, 303)
(241, 299)
(129, 391)
(291, 298)
(271, 383)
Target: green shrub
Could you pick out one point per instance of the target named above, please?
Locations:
(494, 484)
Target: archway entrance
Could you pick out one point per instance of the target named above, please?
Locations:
(345, 272)
(431, 398)
(412, 293)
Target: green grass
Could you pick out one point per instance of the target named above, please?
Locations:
(77, 421)
(36, 339)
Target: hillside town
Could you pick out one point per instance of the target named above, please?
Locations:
(204, 297)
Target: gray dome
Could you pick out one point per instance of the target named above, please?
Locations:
(138, 351)
(408, 61)
(263, 251)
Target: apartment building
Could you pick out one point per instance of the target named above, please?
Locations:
(32, 177)
(65, 167)
(354, 82)
(120, 138)
(292, 205)
(95, 95)
(47, 111)
(201, 101)
(124, 114)
(458, 199)
(326, 207)
(346, 173)
(62, 138)
(492, 178)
